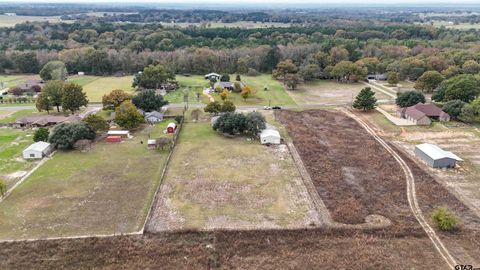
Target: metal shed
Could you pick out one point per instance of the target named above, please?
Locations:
(37, 150)
(435, 156)
(270, 136)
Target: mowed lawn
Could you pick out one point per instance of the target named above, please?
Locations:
(275, 94)
(327, 92)
(14, 80)
(12, 143)
(218, 182)
(95, 87)
(105, 190)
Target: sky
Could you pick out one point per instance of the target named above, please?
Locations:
(262, 2)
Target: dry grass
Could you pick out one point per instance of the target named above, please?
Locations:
(217, 182)
(105, 190)
(326, 92)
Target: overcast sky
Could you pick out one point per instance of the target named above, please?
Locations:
(263, 2)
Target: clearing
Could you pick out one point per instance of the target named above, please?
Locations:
(330, 92)
(275, 95)
(95, 87)
(10, 21)
(356, 177)
(230, 183)
(105, 190)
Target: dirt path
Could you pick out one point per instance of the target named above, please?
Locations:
(411, 194)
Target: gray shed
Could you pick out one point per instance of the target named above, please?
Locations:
(435, 156)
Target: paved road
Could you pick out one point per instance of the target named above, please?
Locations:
(242, 107)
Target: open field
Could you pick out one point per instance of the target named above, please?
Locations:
(218, 182)
(275, 95)
(14, 80)
(323, 91)
(105, 190)
(446, 24)
(292, 249)
(12, 165)
(95, 87)
(241, 24)
(355, 168)
(10, 21)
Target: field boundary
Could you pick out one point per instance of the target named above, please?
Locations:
(411, 193)
(162, 176)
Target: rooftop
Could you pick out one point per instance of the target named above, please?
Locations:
(38, 146)
(436, 152)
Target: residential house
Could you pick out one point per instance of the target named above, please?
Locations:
(153, 117)
(378, 77)
(213, 76)
(226, 85)
(422, 114)
(44, 120)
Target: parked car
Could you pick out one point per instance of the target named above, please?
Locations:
(267, 108)
(276, 107)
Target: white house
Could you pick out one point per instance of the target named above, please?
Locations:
(270, 136)
(213, 76)
(37, 150)
(153, 117)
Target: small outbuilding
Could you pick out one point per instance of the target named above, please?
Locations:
(119, 133)
(171, 127)
(114, 139)
(270, 136)
(37, 150)
(435, 156)
(151, 144)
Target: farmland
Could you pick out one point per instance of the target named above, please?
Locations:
(231, 183)
(105, 190)
(372, 182)
(95, 87)
(10, 21)
(329, 92)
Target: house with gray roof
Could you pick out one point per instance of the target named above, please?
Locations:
(153, 117)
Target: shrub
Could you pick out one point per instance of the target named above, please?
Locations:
(66, 134)
(228, 106)
(3, 187)
(252, 72)
(178, 119)
(444, 220)
(409, 98)
(96, 123)
(230, 123)
(41, 134)
(454, 107)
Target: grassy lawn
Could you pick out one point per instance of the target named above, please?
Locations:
(325, 92)
(12, 143)
(218, 182)
(96, 87)
(105, 190)
(14, 80)
(275, 95)
(12, 116)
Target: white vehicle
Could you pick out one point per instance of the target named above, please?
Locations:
(267, 108)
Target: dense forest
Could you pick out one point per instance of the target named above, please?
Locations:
(107, 48)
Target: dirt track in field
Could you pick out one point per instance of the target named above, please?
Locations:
(356, 177)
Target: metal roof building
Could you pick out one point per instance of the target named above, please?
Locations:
(435, 156)
(270, 136)
(37, 150)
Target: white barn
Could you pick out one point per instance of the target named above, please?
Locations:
(435, 156)
(270, 136)
(37, 150)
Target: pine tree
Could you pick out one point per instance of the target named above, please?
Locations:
(365, 100)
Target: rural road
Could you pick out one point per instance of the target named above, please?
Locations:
(411, 194)
(242, 107)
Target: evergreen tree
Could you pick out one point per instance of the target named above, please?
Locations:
(365, 100)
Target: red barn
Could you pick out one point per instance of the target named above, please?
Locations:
(114, 139)
(171, 128)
